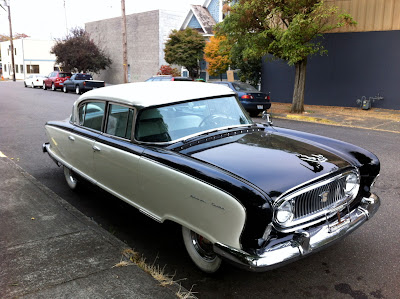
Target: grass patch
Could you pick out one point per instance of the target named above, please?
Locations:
(131, 257)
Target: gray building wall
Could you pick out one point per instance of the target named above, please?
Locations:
(358, 64)
(146, 35)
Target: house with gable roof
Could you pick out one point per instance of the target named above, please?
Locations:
(203, 18)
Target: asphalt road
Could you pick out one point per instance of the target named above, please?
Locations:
(364, 265)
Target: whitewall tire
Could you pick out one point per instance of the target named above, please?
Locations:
(71, 179)
(201, 251)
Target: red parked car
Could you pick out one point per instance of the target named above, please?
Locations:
(55, 80)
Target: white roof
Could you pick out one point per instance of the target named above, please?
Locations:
(145, 94)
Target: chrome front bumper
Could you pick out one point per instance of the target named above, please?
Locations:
(299, 244)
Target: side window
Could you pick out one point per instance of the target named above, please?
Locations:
(119, 121)
(91, 115)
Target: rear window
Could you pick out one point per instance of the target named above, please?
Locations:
(83, 77)
(244, 87)
(63, 75)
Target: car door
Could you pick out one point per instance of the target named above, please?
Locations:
(82, 139)
(69, 83)
(116, 158)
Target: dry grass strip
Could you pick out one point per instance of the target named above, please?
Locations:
(131, 257)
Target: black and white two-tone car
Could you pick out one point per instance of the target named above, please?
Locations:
(256, 195)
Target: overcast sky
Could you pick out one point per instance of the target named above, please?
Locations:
(48, 19)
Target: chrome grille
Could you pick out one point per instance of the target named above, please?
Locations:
(312, 202)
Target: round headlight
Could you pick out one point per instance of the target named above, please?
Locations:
(351, 183)
(284, 212)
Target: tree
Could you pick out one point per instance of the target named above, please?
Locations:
(249, 67)
(216, 53)
(185, 48)
(168, 70)
(288, 30)
(78, 53)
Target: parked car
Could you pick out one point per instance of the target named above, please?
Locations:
(252, 100)
(81, 83)
(34, 81)
(256, 195)
(55, 80)
(168, 78)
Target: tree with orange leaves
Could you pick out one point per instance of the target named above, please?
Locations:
(216, 53)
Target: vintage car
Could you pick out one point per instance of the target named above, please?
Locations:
(252, 194)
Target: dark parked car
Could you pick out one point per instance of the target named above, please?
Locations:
(81, 83)
(168, 78)
(55, 80)
(256, 195)
(252, 100)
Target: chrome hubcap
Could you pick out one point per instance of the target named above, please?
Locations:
(203, 247)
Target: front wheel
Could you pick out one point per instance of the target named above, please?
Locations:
(32, 86)
(65, 89)
(71, 179)
(44, 86)
(201, 251)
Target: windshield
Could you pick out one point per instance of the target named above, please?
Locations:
(63, 75)
(177, 121)
(239, 86)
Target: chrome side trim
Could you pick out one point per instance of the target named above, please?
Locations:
(302, 242)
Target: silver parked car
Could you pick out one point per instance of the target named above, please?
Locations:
(256, 195)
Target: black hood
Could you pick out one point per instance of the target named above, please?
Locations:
(273, 162)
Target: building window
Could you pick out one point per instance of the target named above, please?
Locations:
(21, 67)
(15, 51)
(16, 69)
(32, 69)
(5, 67)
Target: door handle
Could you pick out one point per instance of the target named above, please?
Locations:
(72, 138)
(96, 148)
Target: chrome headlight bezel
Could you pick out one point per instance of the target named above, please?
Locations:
(284, 212)
(352, 184)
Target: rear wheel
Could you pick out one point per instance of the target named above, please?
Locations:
(65, 89)
(44, 86)
(71, 179)
(33, 86)
(77, 90)
(201, 251)
(53, 87)
(25, 84)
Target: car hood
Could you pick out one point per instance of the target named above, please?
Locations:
(273, 162)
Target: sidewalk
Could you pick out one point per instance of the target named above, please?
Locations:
(48, 249)
(374, 119)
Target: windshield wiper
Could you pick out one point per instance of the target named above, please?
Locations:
(190, 139)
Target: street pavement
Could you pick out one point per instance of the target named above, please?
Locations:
(48, 249)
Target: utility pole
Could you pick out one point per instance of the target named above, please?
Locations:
(124, 43)
(11, 40)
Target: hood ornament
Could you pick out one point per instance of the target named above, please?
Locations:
(313, 158)
(314, 161)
